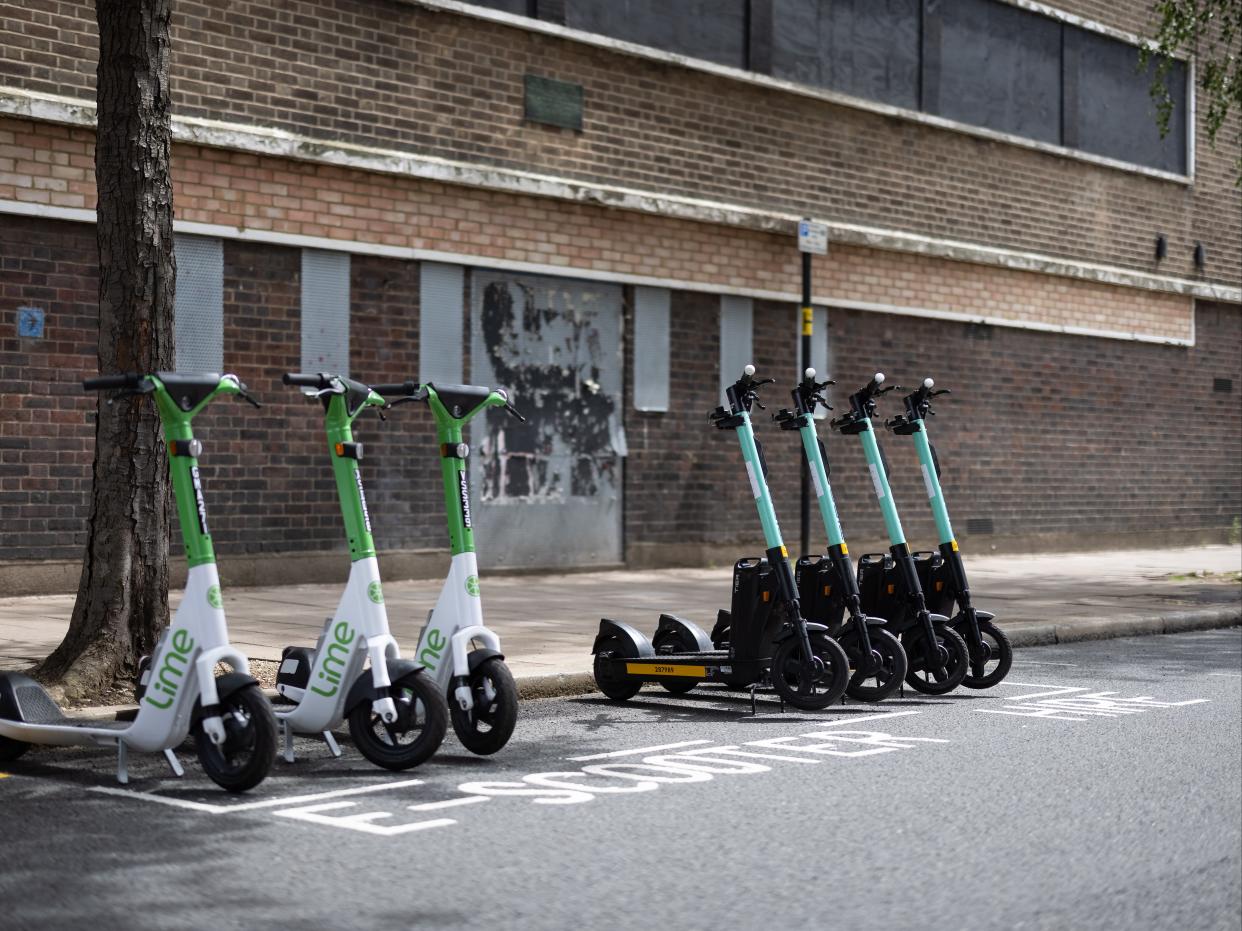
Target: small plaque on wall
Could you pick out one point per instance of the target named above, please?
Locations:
(553, 102)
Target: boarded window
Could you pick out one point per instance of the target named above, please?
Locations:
(1109, 110)
(867, 48)
(516, 7)
(736, 330)
(325, 311)
(994, 65)
(819, 349)
(710, 29)
(199, 308)
(441, 323)
(651, 348)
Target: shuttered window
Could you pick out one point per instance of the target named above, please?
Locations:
(441, 325)
(199, 305)
(736, 347)
(325, 311)
(651, 348)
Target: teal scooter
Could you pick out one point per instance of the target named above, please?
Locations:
(889, 584)
(827, 588)
(991, 654)
(769, 641)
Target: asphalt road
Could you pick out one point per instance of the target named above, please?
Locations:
(1101, 787)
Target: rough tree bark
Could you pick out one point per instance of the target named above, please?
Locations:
(123, 593)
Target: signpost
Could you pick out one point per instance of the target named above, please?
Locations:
(812, 240)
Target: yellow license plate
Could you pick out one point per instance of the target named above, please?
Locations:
(666, 669)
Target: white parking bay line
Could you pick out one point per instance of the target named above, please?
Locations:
(252, 806)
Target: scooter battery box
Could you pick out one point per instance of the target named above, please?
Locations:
(934, 577)
(294, 672)
(820, 592)
(751, 615)
(880, 588)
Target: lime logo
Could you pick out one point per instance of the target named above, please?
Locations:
(167, 680)
(332, 660)
(375, 593)
(213, 596)
(472, 585)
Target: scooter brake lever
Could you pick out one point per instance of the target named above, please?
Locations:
(514, 411)
(248, 399)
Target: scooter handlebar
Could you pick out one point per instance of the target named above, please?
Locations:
(130, 380)
(403, 389)
(321, 380)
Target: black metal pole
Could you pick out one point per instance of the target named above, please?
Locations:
(807, 318)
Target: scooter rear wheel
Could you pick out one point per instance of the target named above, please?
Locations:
(422, 720)
(675, 641)
(810, 688)
(1000, 653)
(957, 661)
(618, 688)
(487, 726)
(11, 749)
(888, 678)
(249, 747)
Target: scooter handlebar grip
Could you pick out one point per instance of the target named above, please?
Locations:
(308, 381)
(107, 382)
(401, 389)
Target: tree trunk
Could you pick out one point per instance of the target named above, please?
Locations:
(123, 593)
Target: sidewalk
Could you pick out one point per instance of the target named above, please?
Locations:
(547, 622)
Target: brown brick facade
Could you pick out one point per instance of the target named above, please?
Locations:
(297, 198)
(401, 76)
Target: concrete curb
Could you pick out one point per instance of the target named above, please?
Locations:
(563, 684)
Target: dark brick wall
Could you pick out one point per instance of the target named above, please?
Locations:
(397, 75)
(47, 433)
(1044, 434)
(266, 476)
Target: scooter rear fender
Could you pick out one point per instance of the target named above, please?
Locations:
(638, 642)
(703, 643)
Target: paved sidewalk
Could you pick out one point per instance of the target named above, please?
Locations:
(547, 622)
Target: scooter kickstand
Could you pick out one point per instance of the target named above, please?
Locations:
(332, 744)
(122, 763)
(286, 732)
(173, 763)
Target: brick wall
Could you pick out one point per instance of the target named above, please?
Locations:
(1044, 434)
(247, 192)
(397, 75)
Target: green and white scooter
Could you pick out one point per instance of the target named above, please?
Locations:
(455, 646)
(889, 584)
(397, 717)
(991, 654)
(234, 731)
(827, 587)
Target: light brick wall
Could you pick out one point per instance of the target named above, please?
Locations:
(246, 191)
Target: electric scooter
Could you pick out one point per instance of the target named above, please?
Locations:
(234, 731)
(482, 696)
(397, 716)
(763, 639)
(946, 575)
(827, 586)
(889, 585)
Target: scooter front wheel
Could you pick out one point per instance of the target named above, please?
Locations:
(422, 720)
(956, 661)
(675, 641)
(487, 726)
(618, 688)
(11, 749)
(883, 681)
(249, 748)
(812, 685)
(999, 657)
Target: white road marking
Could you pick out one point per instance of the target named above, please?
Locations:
(1231, 675)
(251, 806)
(1031, 662)
(362, 821)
